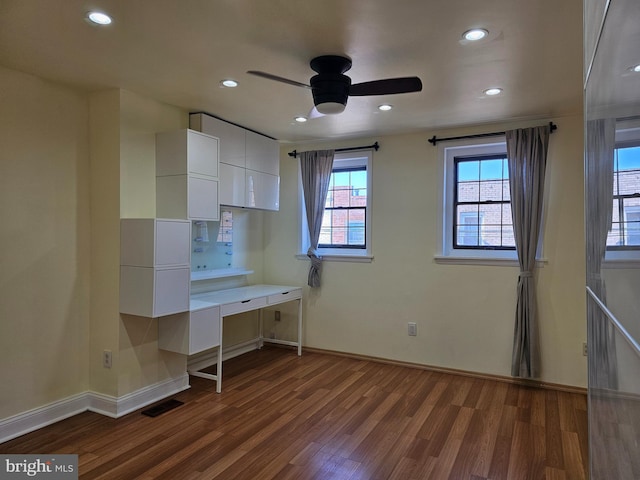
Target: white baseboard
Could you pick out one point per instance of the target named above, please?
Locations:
(115, 407)
(17, 425)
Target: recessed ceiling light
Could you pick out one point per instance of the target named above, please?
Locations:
(493, 91)
(99, 18)
(229, 83)
(475, 34)
(385, 107)
(635, 69)
(300, 119)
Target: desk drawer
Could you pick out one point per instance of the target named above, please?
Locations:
(244, 306)
(285, 296)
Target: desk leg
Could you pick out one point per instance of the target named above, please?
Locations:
(299, 326)
(260, 330)
(219, 366)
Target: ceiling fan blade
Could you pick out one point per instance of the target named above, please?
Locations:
(388, 86)
(277, 78)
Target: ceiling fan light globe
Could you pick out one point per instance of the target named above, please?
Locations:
(330, 108)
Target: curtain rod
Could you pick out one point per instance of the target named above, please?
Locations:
(375, 146)
(433, 140)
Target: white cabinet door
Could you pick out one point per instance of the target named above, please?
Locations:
(202, 154)
(232, 138)
(172, 243)
(204, 332)
(262, 190)
(151, 242)
(151, 292)
(232, 185)
(185, 151)
(171, 293)
(263, 154)
(190, 333)
(203, 199)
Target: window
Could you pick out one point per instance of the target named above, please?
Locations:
(625, 226)
(475, 225)
(346, 224)
(623, 240)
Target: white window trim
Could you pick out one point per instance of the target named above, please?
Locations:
(358, 255)
(446, 254)
(628, 131)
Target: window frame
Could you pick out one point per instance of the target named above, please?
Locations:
(344, 160)
(457, 159)
(447, 151)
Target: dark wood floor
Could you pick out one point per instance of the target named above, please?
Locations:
(325, 417)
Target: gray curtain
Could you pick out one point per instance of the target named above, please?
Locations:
(527, 157)
(315, 168)
(600, 145)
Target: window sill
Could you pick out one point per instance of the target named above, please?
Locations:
(340, 258)
(493, 262)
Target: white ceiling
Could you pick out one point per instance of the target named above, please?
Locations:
(178, 51)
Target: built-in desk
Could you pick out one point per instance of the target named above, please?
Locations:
(219, 304)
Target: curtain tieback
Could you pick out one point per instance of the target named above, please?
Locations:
(526, 274)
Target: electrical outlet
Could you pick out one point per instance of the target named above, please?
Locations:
(413, 329)
(276, 315)
(106, 359)
(584, 349)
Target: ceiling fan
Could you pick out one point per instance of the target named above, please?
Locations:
(331, 88)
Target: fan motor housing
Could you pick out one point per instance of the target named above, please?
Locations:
(329, 89)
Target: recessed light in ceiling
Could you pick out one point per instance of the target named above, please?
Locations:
(229, 83)
(385, 107)
(99, 18)
(475, 34)
(300, 119)
(635, 69)
(493, 91)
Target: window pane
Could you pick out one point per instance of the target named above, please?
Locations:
(628, 182)
(468, 225)
(491, 190)
(508, 239)
(341, 179)
(468, 191)
(468, 170)
(491, 169)
(467, 235)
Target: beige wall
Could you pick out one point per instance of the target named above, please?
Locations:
(464, 313)
(44, 242)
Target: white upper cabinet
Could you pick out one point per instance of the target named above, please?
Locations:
(249, 164)
(263, 154)
(232, 138)
(262, 190)
(187, 171)
(186, 152)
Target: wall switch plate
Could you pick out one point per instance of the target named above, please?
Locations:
(584, 349)
(413, 329)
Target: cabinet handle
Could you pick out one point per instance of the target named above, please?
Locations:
(245, 301)
(285, 293)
